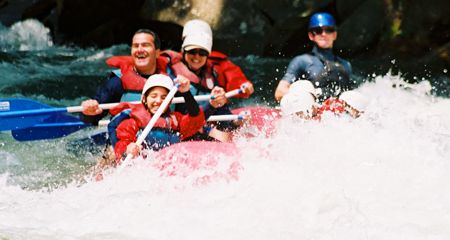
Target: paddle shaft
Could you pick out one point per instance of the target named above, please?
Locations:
(36, 121)
(34, 112)
(199, 98)
(214, 118)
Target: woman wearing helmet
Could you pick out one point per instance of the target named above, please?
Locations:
(328, 72)
(170, 128)
(210, 73)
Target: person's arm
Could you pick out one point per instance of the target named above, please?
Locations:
(110, 92)
(295, 68)
(210, 107)
(191, 104)
(126, 134)
(226, 126)
(282, 89)
(232, 77)
(194, 120)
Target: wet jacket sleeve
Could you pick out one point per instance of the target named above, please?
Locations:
(209, 110)
(234, 78)
(193, 121)
(295, 69)
(189, 125)
(110, 92)
(126, 133)
(190, 104)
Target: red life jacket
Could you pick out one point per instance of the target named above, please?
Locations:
(132, 82)
(230, 76)
(142, 116)
(203, 84)
(333, 105)
(165, 131)
(173, 59)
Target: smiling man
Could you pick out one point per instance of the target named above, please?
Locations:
(126, 83)
(327, 72)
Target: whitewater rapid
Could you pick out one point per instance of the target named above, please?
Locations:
(382, 176)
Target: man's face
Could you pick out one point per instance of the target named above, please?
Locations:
(323, 37)
(144, 53)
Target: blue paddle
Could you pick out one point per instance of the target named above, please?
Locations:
(30, 120)
(23, 113)
(55, 126)
(63, 125)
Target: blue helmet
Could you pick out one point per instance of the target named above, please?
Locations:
(321, 19)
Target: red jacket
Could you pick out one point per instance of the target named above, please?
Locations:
(333, 105)
(128, 129)
(132, 81)
(228, 75)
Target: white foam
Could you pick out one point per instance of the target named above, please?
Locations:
(382, 176)
(27, 35)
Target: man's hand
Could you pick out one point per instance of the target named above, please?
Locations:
(91, 107)
(282, 89)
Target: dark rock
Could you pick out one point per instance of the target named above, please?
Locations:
(39, 10)
(3, 3)
(359, 31)
(11, 10)
(78, 17)
(403, 30)
(117, 31)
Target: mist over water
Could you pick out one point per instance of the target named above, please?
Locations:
(382, 176)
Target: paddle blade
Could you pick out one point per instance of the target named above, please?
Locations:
(55, 126)
(12, 122)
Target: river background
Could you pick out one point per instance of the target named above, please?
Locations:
(383, 176)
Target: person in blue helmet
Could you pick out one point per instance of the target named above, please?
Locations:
(327, 72)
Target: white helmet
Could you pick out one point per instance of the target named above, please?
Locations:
(303, 85)
(301, 101)
(158, 80)
(354, 99)
(199, 40)
(197, 34)
(196, 26)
